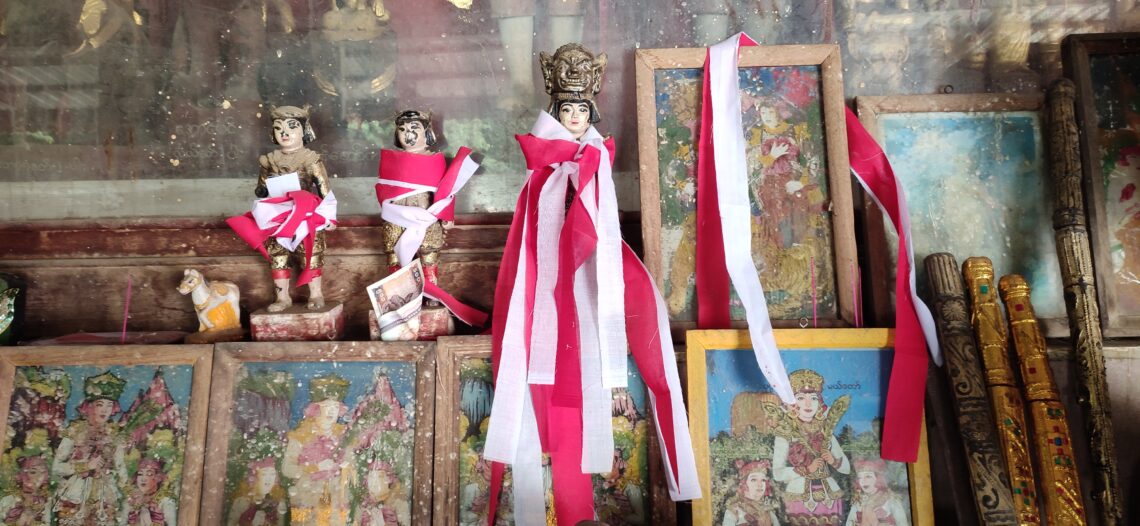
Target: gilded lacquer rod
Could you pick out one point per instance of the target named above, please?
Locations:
(1060, 484)
(1005, 396)
(992, 497)
(1073, 249)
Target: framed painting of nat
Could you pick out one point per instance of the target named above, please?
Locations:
(815, 461)
(634, 493)
(320, 434)
(799, 181)
(103, 434)
(976, 180)
(1106, 71)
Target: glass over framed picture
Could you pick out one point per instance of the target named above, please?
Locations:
(634, 493)
(815, 461)
(1106, 71)
(803, 237)
(320, 434)
(974, 171)
(103, 434)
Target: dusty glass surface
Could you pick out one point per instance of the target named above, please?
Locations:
(121, 108)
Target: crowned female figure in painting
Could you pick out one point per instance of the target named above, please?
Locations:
(294, 209)
(874, 504)
(30, 503)
(385, 500)
(754, 503)
(89, 462)
(315, 460)
(146, 505)
(259, 499)
(806, 455)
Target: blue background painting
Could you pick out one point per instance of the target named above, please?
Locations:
(976, 185)
(359, 374)
(861, 373)
(138, 377)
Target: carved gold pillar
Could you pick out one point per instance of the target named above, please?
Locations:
(1060, 484)
(976, 422)
(1072, 238)
(1008, 405)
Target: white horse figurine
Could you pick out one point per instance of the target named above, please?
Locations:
(216, 302)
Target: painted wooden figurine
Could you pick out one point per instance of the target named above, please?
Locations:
(216, 303)
(295, 207)
(416, 190)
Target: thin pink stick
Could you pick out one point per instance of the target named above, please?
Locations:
(855, 294)
(126, 310)
(814, 301)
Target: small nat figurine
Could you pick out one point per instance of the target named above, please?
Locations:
(216, 302)
(295, 207)
(416, 190)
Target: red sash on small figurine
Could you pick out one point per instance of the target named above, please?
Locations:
(403, 174)
(292, 219)
(561, 341)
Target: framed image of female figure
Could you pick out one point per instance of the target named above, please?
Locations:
(815, 461)
(320, 434)
(103, 434)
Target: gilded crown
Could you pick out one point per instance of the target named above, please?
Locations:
(805, 380)
(572, 73)
(105, 385)
(328, 387)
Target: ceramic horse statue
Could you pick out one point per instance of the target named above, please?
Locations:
(215, 302)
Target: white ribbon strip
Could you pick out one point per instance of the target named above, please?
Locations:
(529, 482)
(735, 210)
(597, 400)
(416, 220)
(687, 485)
(264, 214)
(925, 318)
(551, 217)
(510, 385)
(610, 297)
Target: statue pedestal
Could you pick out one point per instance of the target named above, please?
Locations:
(298, 324)
(434, 322)
(236, 334)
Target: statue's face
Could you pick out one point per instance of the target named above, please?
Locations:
(768, 116)
(575, 116)
(412, 136)
(806, 406)
(574, 70)
(757, 484)
(289, 134)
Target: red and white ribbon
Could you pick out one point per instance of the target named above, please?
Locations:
(402, 175)
(724, 216)
(572, 297)
(914, 325)
(292, 219)
(416, 220)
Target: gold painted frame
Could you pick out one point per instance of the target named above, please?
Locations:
(699, 343)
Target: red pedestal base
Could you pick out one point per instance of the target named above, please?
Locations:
(298, 324)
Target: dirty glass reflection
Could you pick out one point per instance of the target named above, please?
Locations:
(141, 107)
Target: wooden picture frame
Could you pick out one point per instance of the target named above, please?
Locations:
(274, 386)
(1005, 197)
(158, 398)
(455, 357)
(792, 95)
(1103, 67)
(755, 433)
